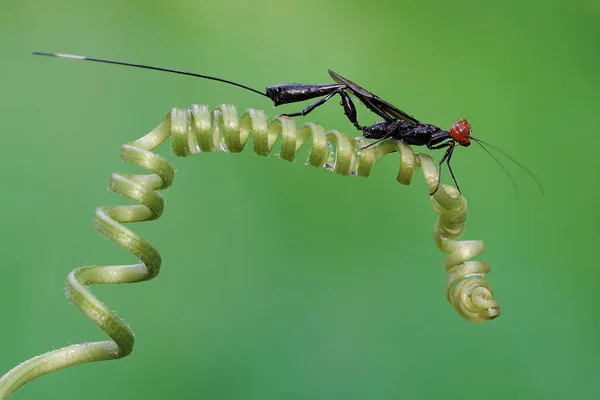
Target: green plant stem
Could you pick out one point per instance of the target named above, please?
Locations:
(196, 130)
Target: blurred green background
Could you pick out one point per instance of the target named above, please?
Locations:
(284, 281)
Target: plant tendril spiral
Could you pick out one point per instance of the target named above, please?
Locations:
(197, 129)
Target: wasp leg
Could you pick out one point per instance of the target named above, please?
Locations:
(447, 156)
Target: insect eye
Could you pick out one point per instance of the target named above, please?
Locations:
(465, 124)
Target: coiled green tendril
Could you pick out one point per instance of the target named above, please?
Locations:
(197, 129)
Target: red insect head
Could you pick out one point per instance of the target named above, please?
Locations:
(461, 132)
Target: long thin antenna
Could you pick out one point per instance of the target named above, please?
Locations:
(500, 164)
(100, 60)
(514, 160)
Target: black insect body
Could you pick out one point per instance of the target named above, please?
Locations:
(396, 124)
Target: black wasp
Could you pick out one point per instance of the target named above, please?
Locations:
(396, 124)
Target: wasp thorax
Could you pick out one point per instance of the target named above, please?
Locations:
(461, 132)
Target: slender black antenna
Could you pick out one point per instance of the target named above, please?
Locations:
(514, 160)
(74, 57)
(500, 164)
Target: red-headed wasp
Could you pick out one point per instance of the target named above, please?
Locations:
(396, 124)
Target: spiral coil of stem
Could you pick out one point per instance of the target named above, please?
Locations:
(197, 129)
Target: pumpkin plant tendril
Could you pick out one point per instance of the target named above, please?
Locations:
(196, 130)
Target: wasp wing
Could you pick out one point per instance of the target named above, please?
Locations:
(374, 103)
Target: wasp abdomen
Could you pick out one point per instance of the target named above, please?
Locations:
(294, 92)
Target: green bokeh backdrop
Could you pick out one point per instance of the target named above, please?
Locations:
(284, 281)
